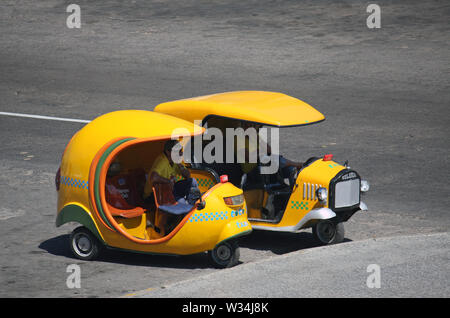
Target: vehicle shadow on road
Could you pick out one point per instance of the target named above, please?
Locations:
(59, 246)
(277, 242)
(280, 242)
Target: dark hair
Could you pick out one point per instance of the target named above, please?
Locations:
(170, 144)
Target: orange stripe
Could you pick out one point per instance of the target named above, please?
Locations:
(103, 172)
(92, 178)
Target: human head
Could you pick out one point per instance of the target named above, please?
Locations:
(168, 147)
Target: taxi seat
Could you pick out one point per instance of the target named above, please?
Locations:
(165, 200)
(168, 212)
(137, 181)
(128, 214)
(131, 207)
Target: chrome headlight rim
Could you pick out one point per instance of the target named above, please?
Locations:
(365, 186)
(322, 194)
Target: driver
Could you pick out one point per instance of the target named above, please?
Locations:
(165, 170)
(251, 145)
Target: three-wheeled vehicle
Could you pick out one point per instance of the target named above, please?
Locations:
(134, 138)
(321, 193)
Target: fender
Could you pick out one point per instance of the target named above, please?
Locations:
(315, 214)
(76, 213)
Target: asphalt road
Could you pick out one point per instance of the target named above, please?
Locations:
(404, 266)
(385, 93)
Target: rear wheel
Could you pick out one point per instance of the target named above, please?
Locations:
(84, 244)
(225, 254)
(327, 232)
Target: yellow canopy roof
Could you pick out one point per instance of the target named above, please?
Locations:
(268, 108)
(139, 124)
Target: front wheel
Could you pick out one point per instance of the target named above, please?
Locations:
(327, 232)
(225, 254)
(84, 244)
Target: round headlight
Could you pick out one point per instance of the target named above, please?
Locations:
(322, 194)
(364, 186)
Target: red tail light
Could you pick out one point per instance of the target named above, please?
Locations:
(223, 178)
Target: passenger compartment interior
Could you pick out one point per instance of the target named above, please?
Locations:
(124, 190)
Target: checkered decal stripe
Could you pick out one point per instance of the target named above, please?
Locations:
(208, 183)
(299, 205)
(73, 182)
(241, 224)
(215, 216)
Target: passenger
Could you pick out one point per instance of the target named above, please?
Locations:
(117, 188)
(165, 170)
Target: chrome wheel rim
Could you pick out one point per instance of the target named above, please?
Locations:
(82, 244)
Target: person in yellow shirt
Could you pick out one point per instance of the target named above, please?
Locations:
(252, 148)
(253, 193)
(165, 170)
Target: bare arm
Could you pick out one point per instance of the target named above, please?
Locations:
(293, 163)
(156, 178)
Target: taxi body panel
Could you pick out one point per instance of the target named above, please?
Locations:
(137, 137)
(303, 198)
(302, 208)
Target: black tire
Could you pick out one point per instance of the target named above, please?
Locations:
(84, 244)
(328, 232)
(225, 254)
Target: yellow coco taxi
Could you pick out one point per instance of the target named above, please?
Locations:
(320, 193)
(134, 138)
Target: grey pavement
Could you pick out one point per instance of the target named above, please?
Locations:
(408, 266)
(385, 94)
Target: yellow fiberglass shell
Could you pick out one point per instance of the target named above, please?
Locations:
(201, 230)
(303, 198)
(83, 170)
(88, 141)
(81, 196)
(267, 108)
(216, 223)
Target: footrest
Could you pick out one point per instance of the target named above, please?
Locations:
(128, 214)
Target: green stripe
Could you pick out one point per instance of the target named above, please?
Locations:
(98, 169)
(75, 213)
